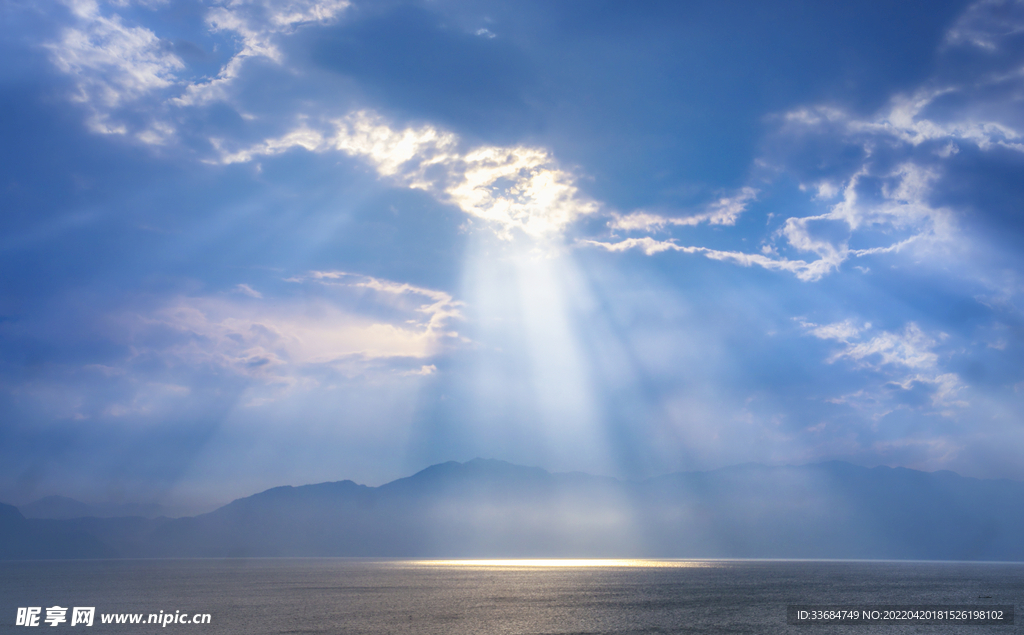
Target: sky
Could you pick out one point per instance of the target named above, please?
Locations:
(248, 243)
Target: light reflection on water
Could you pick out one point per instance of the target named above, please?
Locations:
(569, 563)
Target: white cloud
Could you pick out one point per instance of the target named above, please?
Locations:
(911, 349)
(885, 209)
(257, 23)
(842, 331)
(901, 204)
(407, 154)
(521, 188)
(247, 290)
(439, 309)
(804, 270)
(512, 187)
(280, 341)
(301, 137)
(252, 340)
(905, 121)
(111, 62)
(724, 211)
(292, 13)
(826, 190)
(986, 23)
(985, 115)
(423, 371)
(898, 204)
(646, 244)
(115, 64)
(907, 357)
(641, 221)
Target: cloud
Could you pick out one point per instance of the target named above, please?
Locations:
(906, 120)
(888, 201)
(510, 187)
(911, 348)
(646, 244)
(521, 188)
(895, 202)
(422, 371)
(872, 204)
(813, 270)
(876, 205)
(885, 205)
(257, 23)
(323, 334)
(964, 103)
(112, 63)
(255, 340)
(908, 358)
(724, 211)
(986, 23)
(439, 310)
(288, 341)
(117, 66)
(841, 331)
(247, 290)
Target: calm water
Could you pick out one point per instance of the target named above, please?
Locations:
(360, 596)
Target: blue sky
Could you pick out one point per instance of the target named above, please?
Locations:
(253, 243)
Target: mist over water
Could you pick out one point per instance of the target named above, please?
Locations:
(278, 596)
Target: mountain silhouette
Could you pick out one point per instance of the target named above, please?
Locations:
(488, 508)
(24, 539)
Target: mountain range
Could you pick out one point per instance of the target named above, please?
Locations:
(487, 508)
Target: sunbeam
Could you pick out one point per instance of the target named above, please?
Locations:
(530, 304)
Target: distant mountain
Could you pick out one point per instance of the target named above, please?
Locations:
(62, 507)
(488, 508)
(24, 539)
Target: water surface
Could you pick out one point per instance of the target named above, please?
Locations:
(279, 596)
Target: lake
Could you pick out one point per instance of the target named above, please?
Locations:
(491, 597)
